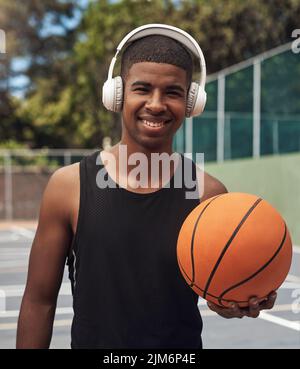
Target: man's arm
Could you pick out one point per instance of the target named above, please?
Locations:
(46, 264)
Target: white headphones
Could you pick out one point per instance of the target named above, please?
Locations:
(112, 92)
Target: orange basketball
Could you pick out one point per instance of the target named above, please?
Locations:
(232, 247)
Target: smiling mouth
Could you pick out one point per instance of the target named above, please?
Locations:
(157, 124)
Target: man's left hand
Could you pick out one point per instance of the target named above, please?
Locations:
(251, 311)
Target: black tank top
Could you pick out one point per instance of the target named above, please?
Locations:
(128, 291)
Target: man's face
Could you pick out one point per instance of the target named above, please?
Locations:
(154, 105)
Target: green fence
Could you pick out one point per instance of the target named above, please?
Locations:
(252, 109)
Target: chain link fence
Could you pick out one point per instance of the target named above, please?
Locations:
(253, 109)
(24, 175)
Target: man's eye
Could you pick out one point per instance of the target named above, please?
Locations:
(173, 93)
(142, 89)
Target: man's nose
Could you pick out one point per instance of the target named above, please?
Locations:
(155, 102)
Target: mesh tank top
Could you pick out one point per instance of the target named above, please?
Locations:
(128, 291)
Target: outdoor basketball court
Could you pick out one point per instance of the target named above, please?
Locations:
(279, 328)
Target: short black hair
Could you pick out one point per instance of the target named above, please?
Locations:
(157, 49)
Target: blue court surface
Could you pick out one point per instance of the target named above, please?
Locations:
(276, 328)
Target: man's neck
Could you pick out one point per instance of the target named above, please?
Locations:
(129, 160)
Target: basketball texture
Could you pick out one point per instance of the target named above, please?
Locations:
(232, 247)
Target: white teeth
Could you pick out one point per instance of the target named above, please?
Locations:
(152, 124)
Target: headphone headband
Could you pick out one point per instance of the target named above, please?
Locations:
(161, 29)
(164, 30)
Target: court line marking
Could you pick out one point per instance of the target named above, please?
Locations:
(290, 286)
(9, 238)
(14, 249)
(63, 323)
(14, 270)
(280, 321)
(20, 231)
(296, 249)
(12, 264)
(201, 302)
(292, 278)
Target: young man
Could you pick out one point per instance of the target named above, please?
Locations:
(121, 242)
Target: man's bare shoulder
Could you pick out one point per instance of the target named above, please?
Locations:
(62, 190)
(209, 186)
(66, 175)
(212, 187)
(64, 179)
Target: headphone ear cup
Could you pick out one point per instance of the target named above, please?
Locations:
(191, 98)
(118, 101)
(200, 102)
(112, 94)
(196, 100)
(107, 94)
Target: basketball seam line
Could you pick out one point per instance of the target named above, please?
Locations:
(209, 294)
(260, 269)
(228, 244)
(193, 238)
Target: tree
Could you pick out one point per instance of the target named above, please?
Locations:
(40, 34)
